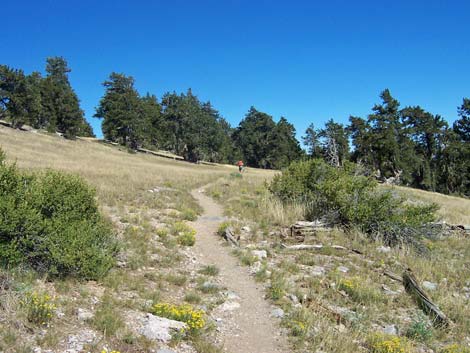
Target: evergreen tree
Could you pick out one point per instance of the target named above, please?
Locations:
(335, 144)
(121, 111)
(462, 126)
(60, 104)
(311, 140)
(13, 94)
(153, 135)
(254, 138)
(34, 100)
(286, 148)
(360, 132)
(426, 132)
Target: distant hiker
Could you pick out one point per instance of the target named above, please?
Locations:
(241, 166)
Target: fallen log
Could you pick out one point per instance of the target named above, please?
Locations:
(301, 229)
(310, 247)
(410, 282)
(230, 237)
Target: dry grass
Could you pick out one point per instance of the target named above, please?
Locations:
(116, 174)
(453, 209)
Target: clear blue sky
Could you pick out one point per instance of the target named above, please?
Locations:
(306, 60)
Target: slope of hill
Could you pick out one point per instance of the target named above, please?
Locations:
(334, 298)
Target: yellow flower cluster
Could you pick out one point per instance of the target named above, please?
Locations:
(40, 307)
(298, 328)
(186, 234)
(389, 344)
(349, 285)
(455, 348)
(184, 313)
(106, 351)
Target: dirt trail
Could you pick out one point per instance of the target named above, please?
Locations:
(248, 328)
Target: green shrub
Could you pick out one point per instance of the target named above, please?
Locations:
(50, 221)
(420, 329)
(188, 214)
(340, 196)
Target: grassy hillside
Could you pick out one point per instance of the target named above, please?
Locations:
(333, 300)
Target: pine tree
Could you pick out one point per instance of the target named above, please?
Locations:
(60, 105)
(426, 132)
(13, 95)
(312, 142)
(121, 111)
(285, 147)
(335, 144)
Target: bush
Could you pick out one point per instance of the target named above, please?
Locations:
(50, 221)
(340, 196)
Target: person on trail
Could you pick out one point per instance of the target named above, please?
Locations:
(241, 166)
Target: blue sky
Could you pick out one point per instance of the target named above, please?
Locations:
(306, 60)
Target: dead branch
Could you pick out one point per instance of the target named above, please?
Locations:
(411, 286)
(230, 237)
(311, 247)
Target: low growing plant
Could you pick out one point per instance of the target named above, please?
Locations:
(39, 307)
(184, 313)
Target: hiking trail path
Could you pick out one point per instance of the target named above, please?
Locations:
(246, 324)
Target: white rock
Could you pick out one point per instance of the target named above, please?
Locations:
(84, 315)
(384, 249)
(232, 295)
(157, 328)
(278, 313)
(343, 269)
(255, 268)
(245, 229)
(229, 306)
(317, 271)
(293, 298)
(429, 285)
(390, 330)
(260, 254)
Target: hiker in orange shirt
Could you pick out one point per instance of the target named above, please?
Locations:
(241, 166)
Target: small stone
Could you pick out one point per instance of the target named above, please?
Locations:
(229, 306)
(384, 249)
(293, 298)
(317, 271)
(260, 254)
(255, 268)
(84, 315)
(232, 295)
(277, 313)
(157, 328)
(343, 269)
(164, 350)
(245, 229)
(429, 285)
(121, 264)
(390, 330)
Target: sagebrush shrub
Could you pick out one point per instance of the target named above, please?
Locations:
(341, 196)
(50, 221)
